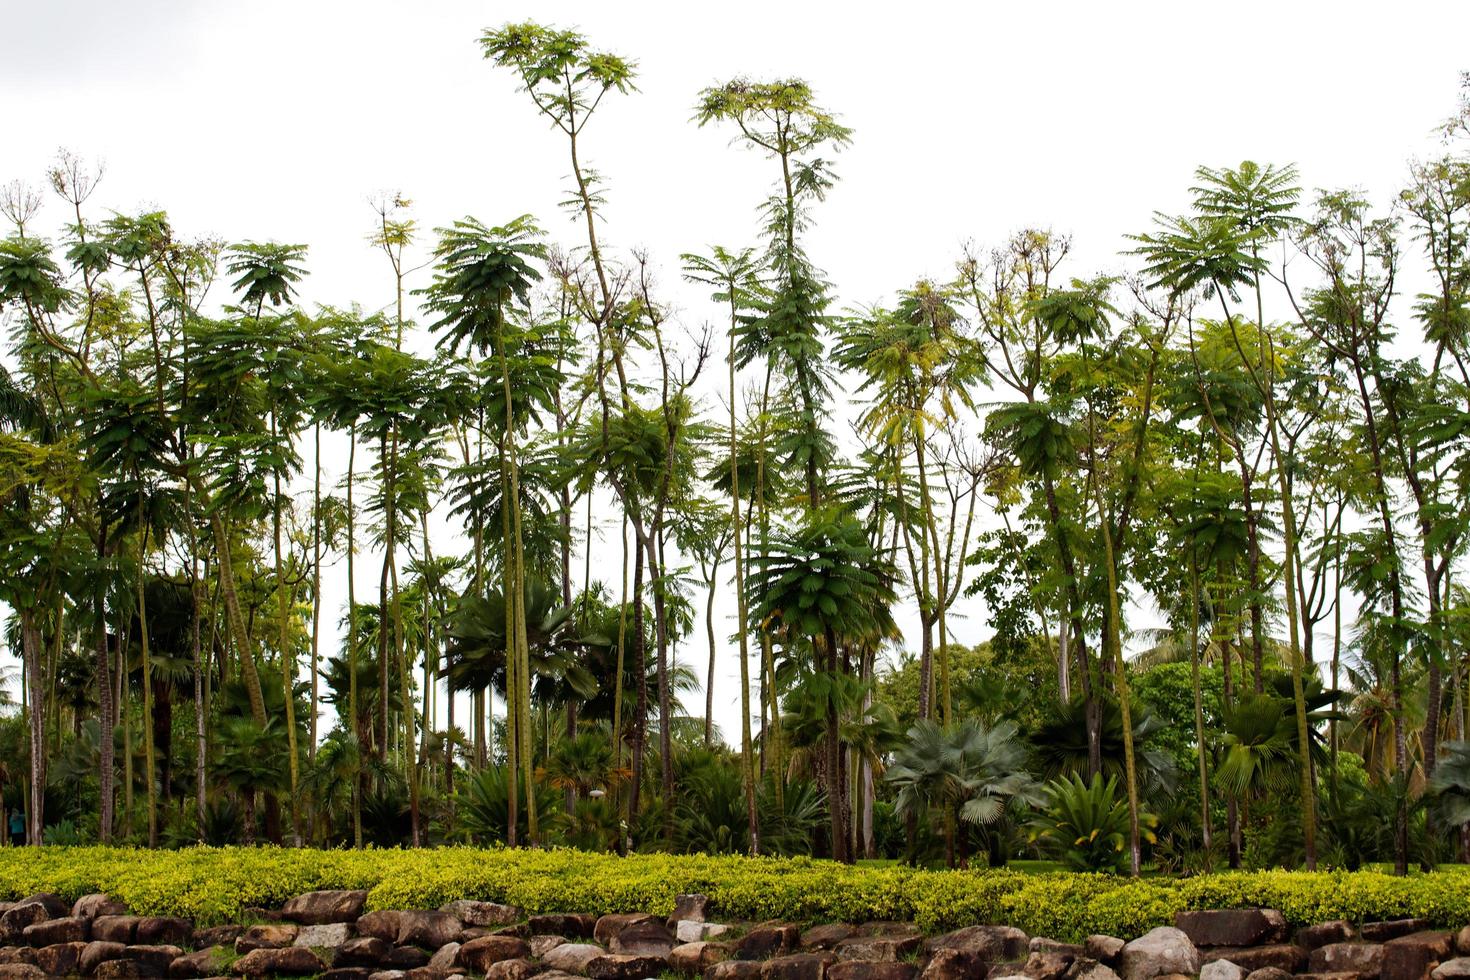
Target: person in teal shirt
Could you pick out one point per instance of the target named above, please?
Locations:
(18, 827)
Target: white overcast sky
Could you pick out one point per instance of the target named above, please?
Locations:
(276, 120)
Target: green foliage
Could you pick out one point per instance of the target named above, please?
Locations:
(1087, 823)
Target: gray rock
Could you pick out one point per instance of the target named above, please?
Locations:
(693, 931)
(1456, 969)
(324, 907)
(1221, 970)
(571, 957)
(1364, 959)
(1104, 949)
(1158, 953)
(483, 913)
(327, 935)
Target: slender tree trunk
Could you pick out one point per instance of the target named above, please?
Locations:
(30, 635)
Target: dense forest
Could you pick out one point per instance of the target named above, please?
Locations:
(1219, 553)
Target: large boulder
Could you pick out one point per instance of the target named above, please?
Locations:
(1221, 970)
(158, 957)
(871, 970)
(1104, 949)
(1414, 957)
(647, 938)
(1157, 953)
(613, 923)
(323, 907)
(70, 929)
(55, 905)
(541, 944)
(766, 941)
(955, 964)
(695, 958)
(1232, 927)
(691, 931)
(60, 960)
(200, 963)
(224, 935)
(97, 903)
(571, 957)
(162, 930)
(22, 914)
(483, 913)
(1282, 956)
(1382, 932)
(267, 935)
(513, 970)
(480, 954)
(1456, 969)
(573, 925)
(623, 966)
(689, 908)
(382, 924)
(1364, 959)
(445, 958)
(366, 951)
(1048, 964)
(1091, 969)
(428, 929)
(293, 961)
(885, 949)
(128, 970)
(97, 952)
(826, 936)
(995, 944)
(325, 936)
(1325, 933)
(734, 970)
(799, 966)
(21, 971)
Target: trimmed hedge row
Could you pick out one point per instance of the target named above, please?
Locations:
(215, 885)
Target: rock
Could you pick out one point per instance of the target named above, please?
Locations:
(17, 954)
(622, 966)
(512, 970)
(1283, 956)
(1158, 952)
(156, 956)
(382, 924)
(610, 925)
(483, 913)
(689, 908)
(1104, 949)
(1221, 970)
(1269, 973)
(23, 914)
(520, 930)
(868, 970)
(883, 949)
(1086, 968)
(649, 938)
(406, 958)
(217, 936)
(61, 959)
(72, 929)
(321, 908)
(1050, 964)
(445, 958)
(1232, 927)
(200, 963)
(800, 966)
(95, 904)
(690, 931)
(826, 936)
(955, 964)
(1382, 932)
(570, 957)
(1462, 941)
(364, 951)
(573, 925)
(694, 958)
(270, 935)
(1324, 934)
(996, 944)
(733, 970)
(1040, 944)
(1414, 957)
(479, 954)
(347, 973)
(162, 930)
(291, 961)
(1364, 959)
(56, 907)
(1456, 969)
(96, 953)
(388, 975)
(119, 969)
(115, 928)
(541, 944)
(323, 936)
(428, 929)
(766, 941)
(21, 970)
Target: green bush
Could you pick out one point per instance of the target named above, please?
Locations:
(213, 885)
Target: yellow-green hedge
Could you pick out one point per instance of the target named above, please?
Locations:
(213, 885)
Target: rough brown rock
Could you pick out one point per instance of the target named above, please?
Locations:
(512, 970)
(996, 944)
(573, 925)
(765, 941)
(162, 930)
(540, 945)
(690, 931)
(733, 970)
(406, 958)
(17, 954)
(321, 908)
(21, 915)
(799, 966)
(1325, 933)
(1040, 944)
(1382, 932)
(98, 903)
(347, 973)
(292, 961)
(55, 905)
(689, 908)
(882, 949)
(128, 970)
(428, 929)
(200, 963)
(1282, 956)
(71, 929)
(1456, 969)
(1364, 959)
(955, 964)
(159, 956)
(621, 966)
(869, 970)
(445, 957)
(695, 958)
(1104, 949)
(60, 960)
(479, 954)
(98, 952)
(382, 924)
(826, 936)
(215, 936)
(366, 951)
(1232, 927)
(21, 971)
(1462, 941)
(483, 913)
(1087, 968)
(1269, 973)
(1221, 970)
(1414, 957)
(269, 935)
(610, 925)
(1051, 964)
(115, 928)
(1158, 952)
(324, 936)
(648, 938)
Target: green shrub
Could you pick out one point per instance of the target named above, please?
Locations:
(213, 885)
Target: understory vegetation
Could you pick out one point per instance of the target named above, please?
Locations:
(1214, 512)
